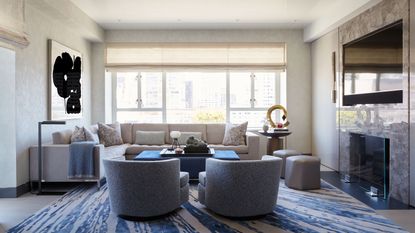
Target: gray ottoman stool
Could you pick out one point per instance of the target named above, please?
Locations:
(302, 172)
(284, 154)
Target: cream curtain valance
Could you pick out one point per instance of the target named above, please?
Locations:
(265, 55)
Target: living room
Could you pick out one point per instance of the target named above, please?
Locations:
(144, 76)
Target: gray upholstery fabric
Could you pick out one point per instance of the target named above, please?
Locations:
(215, 133)
(187, 128)
(303, 172)
(126, 132)
(284, 154)
(151, 127)
(202, 178)
(241, 188)
(144, 188)
(149, 137)
(62, 137)
(184, 178)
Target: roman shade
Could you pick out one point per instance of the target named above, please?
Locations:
(223, 55)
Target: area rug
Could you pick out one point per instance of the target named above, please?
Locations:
(328, 209)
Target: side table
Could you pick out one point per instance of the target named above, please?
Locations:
(274, 140)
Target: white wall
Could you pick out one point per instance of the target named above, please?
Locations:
(324, 129)
(298, 68)
(44, 22)
(7, 119)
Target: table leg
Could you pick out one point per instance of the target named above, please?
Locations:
(274, 144)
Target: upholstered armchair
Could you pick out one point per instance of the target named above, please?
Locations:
(240, 188)
(145, 188)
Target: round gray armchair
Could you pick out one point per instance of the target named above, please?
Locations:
(240, 188)
(145, 188)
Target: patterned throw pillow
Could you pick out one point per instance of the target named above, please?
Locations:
(78, 134)
(81, 134)
(235, 134)
(110, 135)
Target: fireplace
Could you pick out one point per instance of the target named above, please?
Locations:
(369, 163)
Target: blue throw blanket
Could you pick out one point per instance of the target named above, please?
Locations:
(81, 160)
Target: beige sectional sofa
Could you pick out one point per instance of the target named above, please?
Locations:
(56, 155)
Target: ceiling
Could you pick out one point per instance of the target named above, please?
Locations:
(219, 14)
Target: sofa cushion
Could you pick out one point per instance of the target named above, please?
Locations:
(184, 178)
(202, 178)
(149, 137)
(127, 132)
(241, 149)
(62, 137)
(188, 128)
(215, 133)
(115, 151)
(185, 135)
(150, 127)
(136, 149)
(110, 135)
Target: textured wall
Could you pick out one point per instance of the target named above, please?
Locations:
(298, 70)
(32, 81)
(7, 119)
(324, 125)
(384, 120)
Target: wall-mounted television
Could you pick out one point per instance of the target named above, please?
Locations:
(373, 67)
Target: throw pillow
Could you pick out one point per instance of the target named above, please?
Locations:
(149, 137)
(110, 135)
(235, 134)
(185, 135)
(78, 134)
(89, 136)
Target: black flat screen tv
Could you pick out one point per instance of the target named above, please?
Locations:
(373, 67)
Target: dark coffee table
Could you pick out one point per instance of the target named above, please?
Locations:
(192, 164)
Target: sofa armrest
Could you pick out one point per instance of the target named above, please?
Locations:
(252, 141)
(56, 160)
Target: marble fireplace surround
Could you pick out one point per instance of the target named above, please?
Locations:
(383, 120)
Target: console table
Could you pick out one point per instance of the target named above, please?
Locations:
(274, 140)
(192, 164)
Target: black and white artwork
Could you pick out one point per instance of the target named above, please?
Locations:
(65, 82)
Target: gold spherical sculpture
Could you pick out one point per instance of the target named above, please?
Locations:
(284, 116)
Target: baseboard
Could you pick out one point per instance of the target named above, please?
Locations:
(14, 191)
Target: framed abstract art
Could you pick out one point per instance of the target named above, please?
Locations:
(65, 82)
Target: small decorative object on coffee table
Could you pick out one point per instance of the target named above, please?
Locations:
(194, 145)
(175, 135)
(178, 150)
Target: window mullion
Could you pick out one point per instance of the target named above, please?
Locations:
(228, 97)
(139, 101)
(164, 93)
(252, 90)
(114, 95)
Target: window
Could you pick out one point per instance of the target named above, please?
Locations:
(139, 97)
(197, 96)
(196, 82)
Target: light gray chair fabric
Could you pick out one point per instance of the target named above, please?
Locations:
(284, 154)
(146, 188)
(240, 188)
(303, 172)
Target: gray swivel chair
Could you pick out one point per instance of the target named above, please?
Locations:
(145, 188)
(240, 188)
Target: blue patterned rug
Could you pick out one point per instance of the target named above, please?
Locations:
(328, 209)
